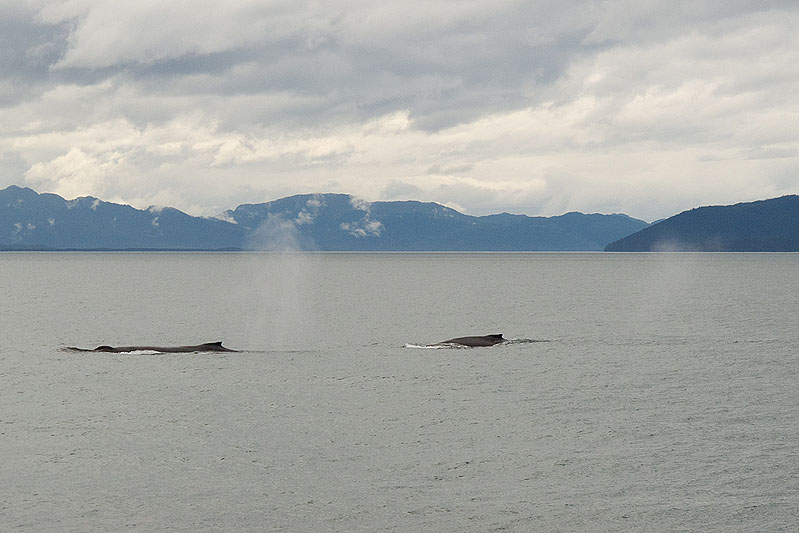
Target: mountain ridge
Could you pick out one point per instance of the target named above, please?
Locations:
(321, 221)
(770, 225)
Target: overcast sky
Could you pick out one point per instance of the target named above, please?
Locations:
(539, 107)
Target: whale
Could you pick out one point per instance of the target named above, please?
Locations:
(474, 341)
(194, 348)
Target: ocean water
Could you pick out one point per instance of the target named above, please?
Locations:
(660, 394)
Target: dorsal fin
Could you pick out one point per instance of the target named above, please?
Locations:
(217, 343)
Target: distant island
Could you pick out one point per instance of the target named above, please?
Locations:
(762, 226)
(308, 222)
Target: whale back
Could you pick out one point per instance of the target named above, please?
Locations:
(205, 347)
(475, 341)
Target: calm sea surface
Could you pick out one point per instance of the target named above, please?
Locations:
(662, 396)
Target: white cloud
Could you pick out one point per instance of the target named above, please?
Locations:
(363, 228)
(309, 213)
(360, 204)
(75, 173)
(639, 107)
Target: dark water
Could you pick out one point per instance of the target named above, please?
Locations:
(663, 397)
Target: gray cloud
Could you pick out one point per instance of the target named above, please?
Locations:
(26, 51)
(644, 107)
(363, 61)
